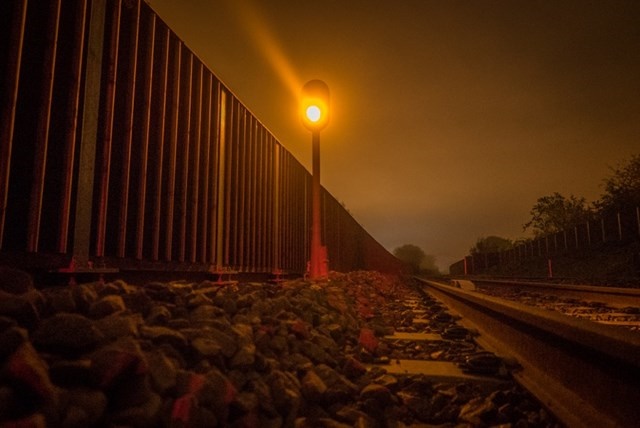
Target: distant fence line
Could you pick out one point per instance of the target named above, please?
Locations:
(622, 226)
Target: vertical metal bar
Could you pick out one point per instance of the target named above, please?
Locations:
(252, 214)
(287, 205)
(173, 148)
(241, 190)
(222, 174)
(234, 183)
(214, 175)
(589, 234)
(145, 117)
(276, 235)
(638, 219)
(230, 171)
(91, 109)
(268, 189)
(163, 78)
(604, 236)
(248, 196)
(184, 168)
(71, 126)
(9, 102)
(107, 138)
(128, 137)
(264, 182)
(259, 182)
(42, 127)
(194, 191)
(205, 141)
(252, 208)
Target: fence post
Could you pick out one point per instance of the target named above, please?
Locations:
(90, 112)
(9, 102)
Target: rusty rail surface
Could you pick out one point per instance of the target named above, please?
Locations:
(614, 296)
(120, 149)
(587, 374)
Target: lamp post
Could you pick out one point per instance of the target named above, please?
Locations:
(315, 116)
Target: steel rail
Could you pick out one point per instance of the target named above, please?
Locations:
(585, 373)
(616, 296)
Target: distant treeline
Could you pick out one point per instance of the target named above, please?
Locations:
(620, 229)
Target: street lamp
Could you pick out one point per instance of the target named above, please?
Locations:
(315, 116)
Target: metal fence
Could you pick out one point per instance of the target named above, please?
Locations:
(620, 227)
(120, 149)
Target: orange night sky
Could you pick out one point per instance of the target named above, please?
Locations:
(449, 118)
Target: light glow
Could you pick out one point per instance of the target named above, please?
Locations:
(314, 105)
(314, 113)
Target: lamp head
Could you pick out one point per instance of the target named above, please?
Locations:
(315, 105)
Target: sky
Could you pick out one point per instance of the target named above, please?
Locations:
(449, 118)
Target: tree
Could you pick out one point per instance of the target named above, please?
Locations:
(411, 255)
(491, 244)
(554, 213)
(622, 188)
(429, 266)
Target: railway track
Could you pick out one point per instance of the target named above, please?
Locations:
(607, 305)
(586, 373)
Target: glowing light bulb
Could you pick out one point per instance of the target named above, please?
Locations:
(314, 113)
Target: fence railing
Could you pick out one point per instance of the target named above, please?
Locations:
(617, 227)
(121, 149)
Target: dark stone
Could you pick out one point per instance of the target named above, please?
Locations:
(114, 363)
(317, 354)
(377, 393)
(24, 308)
(163, 371)
(158, 315)
(106, 306)
(60, 299)
(159, 334)
(67, 333)
(71, 373)
(26, 367)
(14, 281)
(84, 295)
(206, 347)
(205, 313)
(145, 414)
(116, 326)
(478, 411)
(312, 386)
(353, 368)
(11, 339)
(85, 407)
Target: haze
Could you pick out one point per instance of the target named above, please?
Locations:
(449, 118)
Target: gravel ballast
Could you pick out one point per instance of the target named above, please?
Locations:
(182, 354)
